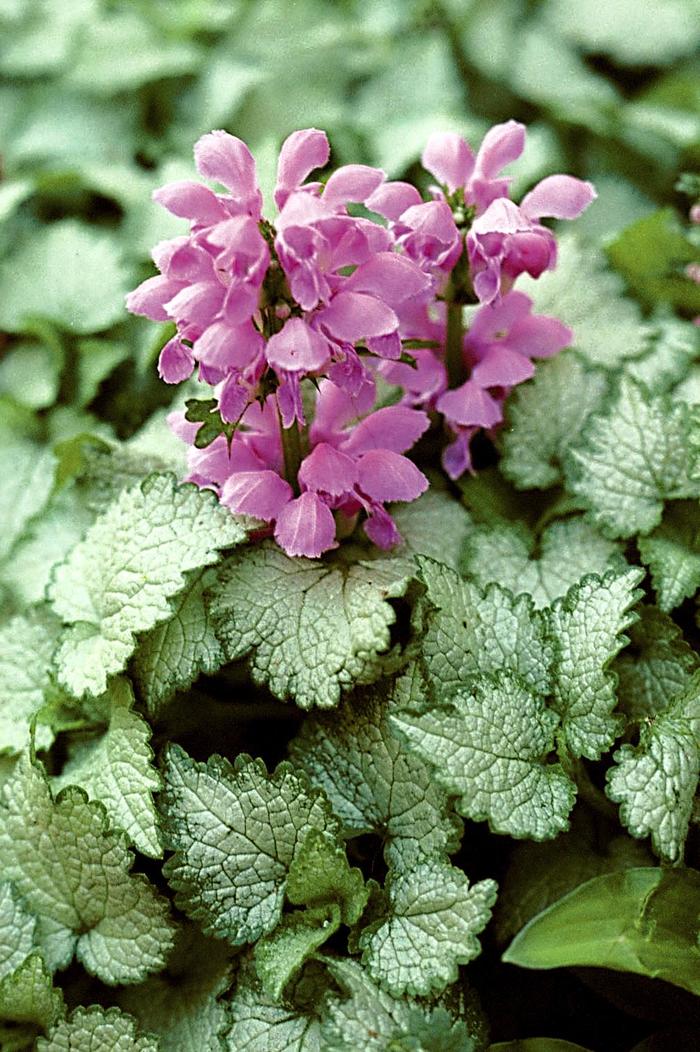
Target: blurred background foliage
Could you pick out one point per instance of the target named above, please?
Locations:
(102, 100)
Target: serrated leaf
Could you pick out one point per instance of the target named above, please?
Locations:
(26, 648)
(258, 1024)
(567, 549)
(369, 1018)
(28, 996)
(320, 873)
(590, 299)
(280, 955)
(118, 580)
(675, 345)
(72, 871)
(16, 931)
(655, 783)
(657, 665)
(45, 541)
(312, 629)
(96, 1029)
(373, 782)
(470, 632)
(26, 479)
(490, 746)
(182, 1005)
(436, 525)
(171, 656)
(672, 553)
(632, 457)
(67, 273)
(546, 416)
(586, 627)
(235, 831)
(433, 919)
(642, 920)
(116, 769)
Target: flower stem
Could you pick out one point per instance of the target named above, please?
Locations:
(456, 369)
(291, 450)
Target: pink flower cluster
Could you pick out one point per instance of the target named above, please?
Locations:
(331, 296)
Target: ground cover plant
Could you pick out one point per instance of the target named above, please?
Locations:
(349, 562)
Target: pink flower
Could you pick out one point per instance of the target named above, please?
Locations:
(499, 347)
(351, 467)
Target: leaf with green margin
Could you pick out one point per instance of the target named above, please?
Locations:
(607, 325)
(567, 549)
(470, 632)
(672, 553)
(657, 665)
(235, 830)
(490, 746)
(586, 628)
(258, 1024)
(651, 255)
(374, 783)
(546, 416)
(26, 480)
(119, 579)
(173, 654)
(16, 931)
(116, 768)
(96, 1029)
(370, 1019)
(656, 782)
(311, 628)
(182, 1005)
(28, 996)
(641, 920)
(433, 918)
(46, 541)
(280, 956)
(72, 871)
(27, 644)
(633, 455)
(66, 272)
(436, 525)
(675, 345)
(320, 873)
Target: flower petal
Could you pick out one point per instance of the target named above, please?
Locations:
(390, 277)
(502, 144)
(175, 362)
(384, 475)
(381, 528)
(151, 297)
(395, 427)
(540, 336)
(223, 347)
(297, 348)
(352, 182)
(449, 158)
(262, 494)
(501, 367)
(456, 458)
(353, 316)
(191, 200)
(306, 526)
(391, 199)
(227, 160)
(328, 470)
(469, 405)
(301, 152)
(558, 196)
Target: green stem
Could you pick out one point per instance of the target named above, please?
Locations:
(456, 369)
(291, 449)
